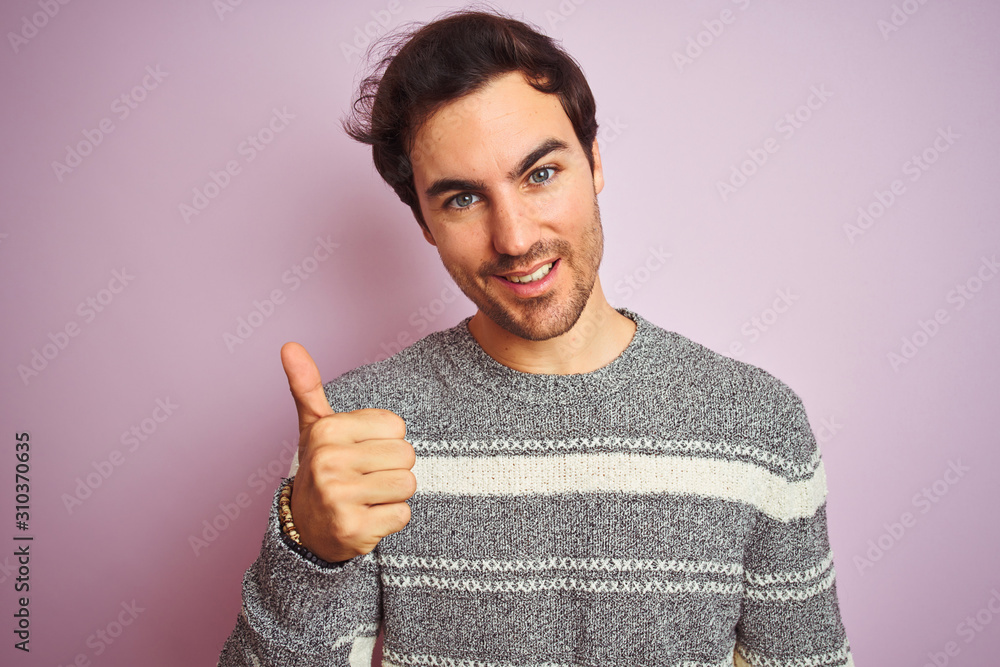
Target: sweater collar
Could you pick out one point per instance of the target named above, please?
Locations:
(484, 374)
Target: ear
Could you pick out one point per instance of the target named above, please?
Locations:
(427, 234)
(598, 170)
(417, 215)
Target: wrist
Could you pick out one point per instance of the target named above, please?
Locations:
(290, 534)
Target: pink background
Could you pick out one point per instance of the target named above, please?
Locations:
(671, 132)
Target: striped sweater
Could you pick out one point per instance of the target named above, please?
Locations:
(665, 510)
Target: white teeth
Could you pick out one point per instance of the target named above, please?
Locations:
(540, 273)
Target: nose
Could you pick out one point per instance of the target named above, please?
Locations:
(514, 226)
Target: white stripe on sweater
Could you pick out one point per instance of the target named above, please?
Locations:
(560, 563)
(576, 445)
(735, 481)
(786, 594)
(841, 656)
(560, 584)
(791, 576)
(391, 658)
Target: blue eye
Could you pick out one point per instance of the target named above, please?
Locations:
(464, 200)
(541, 175)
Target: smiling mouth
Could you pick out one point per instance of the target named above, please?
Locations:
(542, 271)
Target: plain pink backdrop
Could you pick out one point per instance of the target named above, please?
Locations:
(689, 97)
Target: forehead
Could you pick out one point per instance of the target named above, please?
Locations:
(488, 131)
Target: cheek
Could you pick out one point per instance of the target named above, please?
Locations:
(570, 202)
(464, 251)
(553, 206)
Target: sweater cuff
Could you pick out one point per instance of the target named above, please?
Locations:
(297, 613)
(295, 546)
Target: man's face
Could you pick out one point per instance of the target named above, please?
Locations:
(506, 191)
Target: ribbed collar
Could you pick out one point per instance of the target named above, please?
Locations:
(483, 374)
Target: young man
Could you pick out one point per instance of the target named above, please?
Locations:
(553, 481)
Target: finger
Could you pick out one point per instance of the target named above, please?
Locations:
(384, 487)
(305, 383)
(374, 424)
(388, 518)
(390, 454)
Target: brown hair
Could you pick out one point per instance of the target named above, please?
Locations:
(423, 69)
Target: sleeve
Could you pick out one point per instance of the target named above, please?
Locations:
(790, 616)
(297, 613)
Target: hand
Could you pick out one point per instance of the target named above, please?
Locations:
(355, 468)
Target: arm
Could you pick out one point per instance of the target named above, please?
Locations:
(297, 613)
(346, 497)
(790, 613)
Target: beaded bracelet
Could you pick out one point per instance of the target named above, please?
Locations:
(290, 535)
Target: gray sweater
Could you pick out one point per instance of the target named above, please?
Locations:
(668, 509)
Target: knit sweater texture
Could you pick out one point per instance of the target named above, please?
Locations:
(665, 510)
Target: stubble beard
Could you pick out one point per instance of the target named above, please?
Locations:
(543, 317)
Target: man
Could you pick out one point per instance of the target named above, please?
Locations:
(553, 481)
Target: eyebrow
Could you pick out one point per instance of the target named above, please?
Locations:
(443, 185)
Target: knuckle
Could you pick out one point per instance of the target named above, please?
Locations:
(390, 421)
(338, 458)
(345, 530)
(403, 514)
(409, 454)
(403, 482)
(333, 496)
(313, 462)
(324, 429)
(409, 482)
(329, 467)
(316, 459)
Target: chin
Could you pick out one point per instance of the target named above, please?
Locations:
(539, 321)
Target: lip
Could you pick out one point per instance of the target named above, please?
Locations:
(521, 274)
(532, 289)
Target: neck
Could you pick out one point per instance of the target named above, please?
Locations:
(598, 338)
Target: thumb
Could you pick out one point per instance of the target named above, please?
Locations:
(305, 383)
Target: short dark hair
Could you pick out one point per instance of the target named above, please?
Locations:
(422, 69)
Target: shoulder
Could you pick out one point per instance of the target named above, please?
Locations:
(715, 373)
(743, 402)
(390, 382)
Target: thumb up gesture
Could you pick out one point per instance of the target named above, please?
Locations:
(355, 468)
